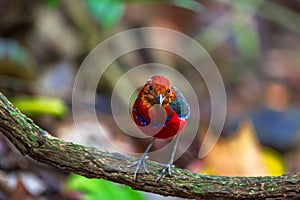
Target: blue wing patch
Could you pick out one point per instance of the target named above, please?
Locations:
(180, 105)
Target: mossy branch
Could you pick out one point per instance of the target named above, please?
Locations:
(30, 140)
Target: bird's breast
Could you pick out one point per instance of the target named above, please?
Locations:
(157, 121)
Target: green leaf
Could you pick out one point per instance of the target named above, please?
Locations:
(52, 3)
(41, 106)
(246, 5)
(94, 189)
(190, 5)
(105, 12)
(246, 37)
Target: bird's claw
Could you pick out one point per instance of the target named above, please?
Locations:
(166, 167)
(138, 165)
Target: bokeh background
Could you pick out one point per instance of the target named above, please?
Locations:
(255, 44)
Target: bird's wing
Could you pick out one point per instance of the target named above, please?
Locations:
(180, 105)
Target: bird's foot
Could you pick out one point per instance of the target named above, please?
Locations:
(138, 164)
(167, 167)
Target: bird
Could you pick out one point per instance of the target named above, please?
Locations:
(160, 111)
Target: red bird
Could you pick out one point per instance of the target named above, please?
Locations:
(160, 110)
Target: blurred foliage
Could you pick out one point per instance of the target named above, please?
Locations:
(15, 60)
(285, 17)
(246, 37)
(190, 5)
(251, 41)
(274, 161)
(94, 189)
(52, 3)
(41, 106)
(107, 12)
(232, 156)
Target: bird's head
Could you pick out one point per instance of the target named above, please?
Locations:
(158, 90)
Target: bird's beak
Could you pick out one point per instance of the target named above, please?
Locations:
(160, 99)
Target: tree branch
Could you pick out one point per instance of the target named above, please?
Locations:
(30, 140)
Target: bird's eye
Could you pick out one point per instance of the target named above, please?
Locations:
(168, 91)
(150, 87)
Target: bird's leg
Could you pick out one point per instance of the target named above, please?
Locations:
(141, 161)
(170, 163)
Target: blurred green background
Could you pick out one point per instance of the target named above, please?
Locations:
(255, 45)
